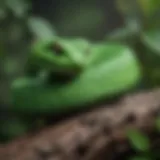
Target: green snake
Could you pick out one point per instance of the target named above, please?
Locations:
(100, 70)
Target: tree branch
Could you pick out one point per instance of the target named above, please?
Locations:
(96, 135)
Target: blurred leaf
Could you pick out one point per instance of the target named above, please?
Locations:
(151, 39)
(41, 28)
(131, 14)
(13, 127)
(119, 34)
(126, 6)
(138, 140)
(158, 124)
(3, 9)
(129, 32)
(19, 7)
(81, 23)
(140, 158)
(149, 6)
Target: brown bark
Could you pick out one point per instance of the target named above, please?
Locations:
(90, 136)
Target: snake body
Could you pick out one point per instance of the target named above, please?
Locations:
(108, 70)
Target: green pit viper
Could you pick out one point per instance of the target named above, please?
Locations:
(101, 70)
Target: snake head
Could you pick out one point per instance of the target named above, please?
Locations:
(61, 54)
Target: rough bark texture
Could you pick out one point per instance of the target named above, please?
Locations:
(96, 135)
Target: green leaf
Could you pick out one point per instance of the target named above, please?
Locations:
(13, 127)
(3, 11)
(149, 6)
(126, 6)
(151, 39)
(119, 34)
(138, 140)
(140, 158)
(19, 7)
(124, 34)
(158, 124)
(41, 28)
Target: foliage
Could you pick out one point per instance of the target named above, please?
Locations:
(142, 144)
(139, 141)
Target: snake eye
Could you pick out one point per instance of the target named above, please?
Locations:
(57, 49)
